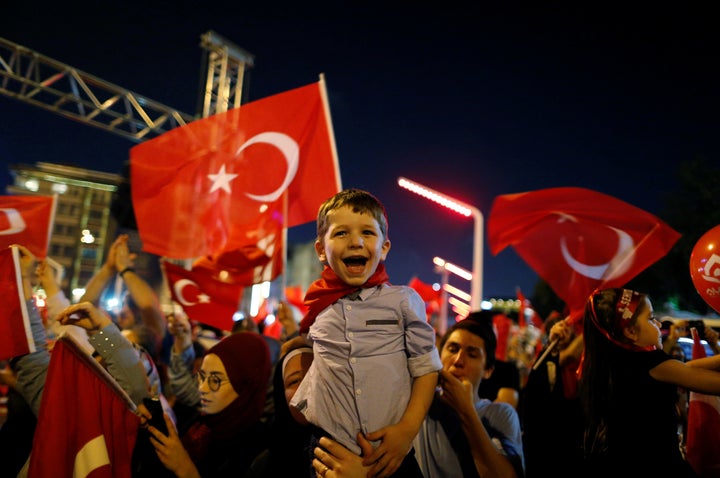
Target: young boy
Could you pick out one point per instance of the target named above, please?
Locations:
(375, 363)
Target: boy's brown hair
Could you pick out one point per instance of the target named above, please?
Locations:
(360, 201)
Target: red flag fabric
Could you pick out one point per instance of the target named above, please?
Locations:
(703, 434)
(85, 427)
(262, 312)
(501, 325)
(197, 189)
(260, 260)
(203, 297)
(425, 291)
(28, 221)
(295, 295)
(15, 335)
(521, 309)
(525, 307)
(577, 239)
(431, 296)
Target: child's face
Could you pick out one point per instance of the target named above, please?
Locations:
(647, 328)
(353, 245)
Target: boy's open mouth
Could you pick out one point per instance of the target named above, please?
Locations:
(355, 261)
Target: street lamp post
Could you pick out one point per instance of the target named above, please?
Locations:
(445, 268)
(467, 211)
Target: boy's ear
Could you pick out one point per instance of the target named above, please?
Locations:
(320, 251)
(385, 250)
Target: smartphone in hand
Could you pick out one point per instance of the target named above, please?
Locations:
(156, 410)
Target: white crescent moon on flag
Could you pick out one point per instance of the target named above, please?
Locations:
(17, 223)
(625, 244)
(178, 288)
(290, 150)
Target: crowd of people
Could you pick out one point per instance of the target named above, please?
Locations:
(362, 386)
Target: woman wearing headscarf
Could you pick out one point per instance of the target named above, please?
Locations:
(288, 452)
(227, 433)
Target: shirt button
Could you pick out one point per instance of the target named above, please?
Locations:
(350, 334)
(353, 360)
(348, 307)
(358, 392)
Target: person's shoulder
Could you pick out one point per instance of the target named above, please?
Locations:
(500, 410)
(402, 291)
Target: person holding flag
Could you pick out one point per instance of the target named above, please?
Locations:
(32, 370)
(628, 388)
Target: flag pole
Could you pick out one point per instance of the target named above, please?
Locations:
(283, 281)
(331, 132)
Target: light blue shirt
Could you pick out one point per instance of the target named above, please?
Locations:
(434, 452)
(366, 354)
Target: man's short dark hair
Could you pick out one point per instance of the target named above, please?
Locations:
(480, 324)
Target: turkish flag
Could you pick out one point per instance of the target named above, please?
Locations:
(501, 324)
(577, 239)
(525, 306)
(198, 188)
(703, 434)
(425, 291)
(431, 296)
(203, 297)
(86, 426)
(15, 334)
(28, 221)
(295, 295)
(261, 260)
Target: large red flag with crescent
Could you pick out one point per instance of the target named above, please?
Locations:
(86, 427)
(703, 434)
(197, 189)
(577, 239)
(15, 334)
(203, 297)
(28, 221)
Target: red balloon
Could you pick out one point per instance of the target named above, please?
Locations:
(705, 267)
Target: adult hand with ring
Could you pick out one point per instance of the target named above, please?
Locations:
(332, 456)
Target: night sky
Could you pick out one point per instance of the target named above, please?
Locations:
(474, 101)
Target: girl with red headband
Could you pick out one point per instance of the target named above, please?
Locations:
(628, 387)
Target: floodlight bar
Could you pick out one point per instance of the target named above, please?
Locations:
(449, 266)
(457, 292)
(467, 211)
(459, 306)
(435, 197)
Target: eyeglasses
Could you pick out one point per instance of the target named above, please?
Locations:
(214, 382)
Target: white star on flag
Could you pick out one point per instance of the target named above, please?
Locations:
(221, 180)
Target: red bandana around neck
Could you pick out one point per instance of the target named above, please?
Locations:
(329, 288)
